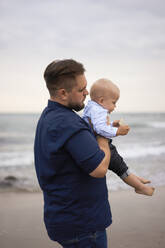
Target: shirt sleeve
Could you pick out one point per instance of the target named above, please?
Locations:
(84, 149)
(99, 121)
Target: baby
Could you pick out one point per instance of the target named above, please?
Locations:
(104, 96)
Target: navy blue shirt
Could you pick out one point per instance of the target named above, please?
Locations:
(66, 151)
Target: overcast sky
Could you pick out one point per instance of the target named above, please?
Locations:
(122, 40)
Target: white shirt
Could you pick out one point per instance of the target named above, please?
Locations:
(98, 116)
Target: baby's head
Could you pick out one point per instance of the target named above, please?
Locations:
(105, 93)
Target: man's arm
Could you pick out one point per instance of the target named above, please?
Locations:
(91, 156)
(117, 165)
(101, 170)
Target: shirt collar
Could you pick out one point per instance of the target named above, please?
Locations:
(91, 102)
(53, 104)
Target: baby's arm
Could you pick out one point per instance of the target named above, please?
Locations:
(102, 125)
(123, 129)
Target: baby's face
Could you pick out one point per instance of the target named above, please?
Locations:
(109, 101)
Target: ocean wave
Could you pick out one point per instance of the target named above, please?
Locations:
(157, 124)
(135, 151)
(16, 159)
(24, 178)
(147, 124)
(13, 183)
(19, 178)
(138, 125)
(26, 158)
(17, 135)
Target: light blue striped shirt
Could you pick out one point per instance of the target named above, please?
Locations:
(98, 116)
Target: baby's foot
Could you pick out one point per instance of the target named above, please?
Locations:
(143, 180)
(145, 191)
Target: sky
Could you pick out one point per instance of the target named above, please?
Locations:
(121, 40)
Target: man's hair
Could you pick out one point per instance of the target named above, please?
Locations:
(62, 74)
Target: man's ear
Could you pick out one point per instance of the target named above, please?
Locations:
(63, 94)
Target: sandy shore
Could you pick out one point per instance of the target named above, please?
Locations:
(138, 221)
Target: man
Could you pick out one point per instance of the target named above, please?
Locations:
(70, 163)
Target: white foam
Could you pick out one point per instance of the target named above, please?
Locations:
(135, 151)
(16, 159)
(157, 124)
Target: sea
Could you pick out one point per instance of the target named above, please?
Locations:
(143, 149)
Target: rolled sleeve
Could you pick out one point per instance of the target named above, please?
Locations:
(85, 151)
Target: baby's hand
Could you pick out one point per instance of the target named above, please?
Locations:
(123, 130)
(121, 122)
(116, 123)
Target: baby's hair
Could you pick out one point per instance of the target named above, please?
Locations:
(100, 87)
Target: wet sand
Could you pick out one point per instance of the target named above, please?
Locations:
(138, 221)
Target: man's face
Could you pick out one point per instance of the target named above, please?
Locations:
(77, 95)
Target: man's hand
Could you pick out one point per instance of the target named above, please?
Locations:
(123, 130)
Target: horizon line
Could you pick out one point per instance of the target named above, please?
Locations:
(116, 112)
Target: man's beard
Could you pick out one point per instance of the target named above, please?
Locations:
(76, 107)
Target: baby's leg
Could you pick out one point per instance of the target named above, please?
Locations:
(139, 184)
(143, 180)
(146, 191)
(119, 167)
(117, 164)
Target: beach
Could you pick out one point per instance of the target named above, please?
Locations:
(138, 221)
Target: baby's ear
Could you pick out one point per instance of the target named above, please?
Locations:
(101, 100)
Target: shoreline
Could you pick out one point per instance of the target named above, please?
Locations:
(138, 221)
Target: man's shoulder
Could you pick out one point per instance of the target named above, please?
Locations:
(65, 120)
(59, 115)
(65, 127)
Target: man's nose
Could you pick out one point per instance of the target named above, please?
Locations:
(86, 92)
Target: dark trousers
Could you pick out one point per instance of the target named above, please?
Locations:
(117, 164)
(96, 239)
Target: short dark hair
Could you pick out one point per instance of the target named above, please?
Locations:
(62, 74)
